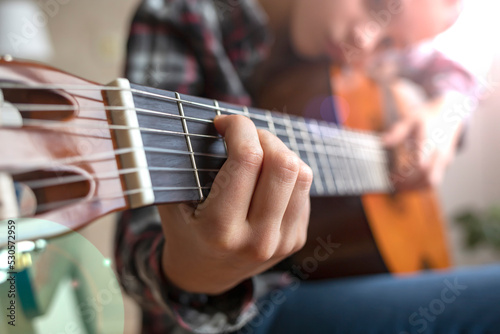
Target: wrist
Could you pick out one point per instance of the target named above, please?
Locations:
(198, 277)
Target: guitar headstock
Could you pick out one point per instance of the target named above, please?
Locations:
(58, 153)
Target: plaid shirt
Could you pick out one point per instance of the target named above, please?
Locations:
(208, 48)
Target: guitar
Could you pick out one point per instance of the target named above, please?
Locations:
(74, 151)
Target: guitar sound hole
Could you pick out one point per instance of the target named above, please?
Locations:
(36, 103)
(52, 189)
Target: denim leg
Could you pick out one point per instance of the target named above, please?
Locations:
(456, 301)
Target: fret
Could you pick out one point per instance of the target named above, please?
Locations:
(340, 172)
(246, 112)
(260, 119)
(353, 160)
(324, 161)
(306, 138)
(365, 165)
(381, 165)
(367, 156)
(270, 122)
(190, 147)
(372, 154)
(217, 111)
(379, 153)
(205, 109)
(291, 135)
(332, 157)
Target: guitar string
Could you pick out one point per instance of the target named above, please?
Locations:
(377, 157)
(326, 144)
(51, 205)
(107, 156)
(99, 157)
(356, 142)
(330, 143)
(62, 180)
(167, 151)
(359, 142)
(48, 206)
(173, 99)
(73, 179)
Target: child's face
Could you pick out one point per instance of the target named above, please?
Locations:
(342, 28)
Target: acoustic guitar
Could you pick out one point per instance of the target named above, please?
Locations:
(73, 151)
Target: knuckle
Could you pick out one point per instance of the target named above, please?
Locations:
(286, 249)
(305, 175)
(259, 252)
(222, 244)
(287, 164)
(301, 242)
(250, 156)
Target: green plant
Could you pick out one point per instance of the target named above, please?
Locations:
(481, 228)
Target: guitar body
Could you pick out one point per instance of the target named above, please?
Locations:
(397, 233)
(407, 227)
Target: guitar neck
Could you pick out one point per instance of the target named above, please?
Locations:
(176, 152)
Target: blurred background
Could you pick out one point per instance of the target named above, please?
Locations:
(87, 38)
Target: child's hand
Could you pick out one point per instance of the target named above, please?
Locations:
(255, 216)
(424, 142)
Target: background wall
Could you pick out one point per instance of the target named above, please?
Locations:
(88, 38)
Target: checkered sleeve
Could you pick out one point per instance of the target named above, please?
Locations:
(436, 73)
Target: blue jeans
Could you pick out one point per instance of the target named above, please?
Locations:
(444, 302)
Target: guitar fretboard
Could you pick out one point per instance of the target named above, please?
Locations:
(184, 151)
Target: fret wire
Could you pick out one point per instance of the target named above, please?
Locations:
(342, 161)
(378, 170)
(290, 134)
(270, 122)
(216, 104)
(334, 160)
(327, 168)
(337, 170)
(367, 172)
(304, 134)
(190, 148)
(374, 180)
(353, 162)
(246, 112)
(361, 167)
